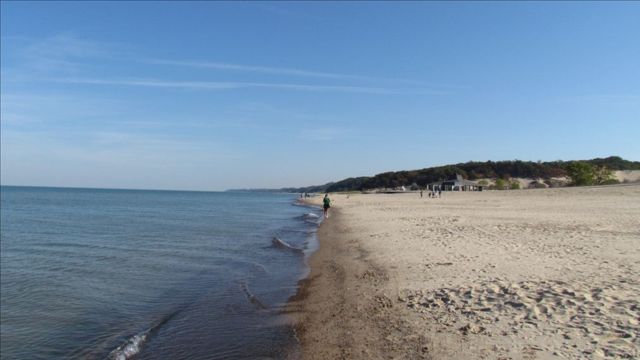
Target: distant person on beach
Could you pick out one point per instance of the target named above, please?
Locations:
(420, 194)
(439, 193)
(326, 204)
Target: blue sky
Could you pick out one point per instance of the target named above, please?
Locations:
(210, 96)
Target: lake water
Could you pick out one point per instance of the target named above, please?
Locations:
(117, 274)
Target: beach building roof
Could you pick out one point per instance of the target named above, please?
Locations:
(459, 181)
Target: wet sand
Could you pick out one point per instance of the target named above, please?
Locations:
(529, 274)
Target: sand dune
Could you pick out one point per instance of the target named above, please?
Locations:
(551, 273)
(627, 176)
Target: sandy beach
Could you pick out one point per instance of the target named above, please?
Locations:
(527, 274)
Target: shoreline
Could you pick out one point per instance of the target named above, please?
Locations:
(521, 274)
(333, 317)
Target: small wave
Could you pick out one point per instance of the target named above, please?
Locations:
(132, 346)
(276, 242)
(312, 218)
(309, 218)
(252, 298)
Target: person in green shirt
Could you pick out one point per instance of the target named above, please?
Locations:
(326, 204)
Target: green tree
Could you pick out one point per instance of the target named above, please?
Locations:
(603, 175)
(500, 184)
(581, 173)
(514, 185)
(483, 182)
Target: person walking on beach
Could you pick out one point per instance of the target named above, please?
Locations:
(326, 204)
(420, 194)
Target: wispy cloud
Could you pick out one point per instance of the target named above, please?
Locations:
(258, 69)
(153, 83)
(292, 72)
(65, 46)
(219, 85)
(40, 108)
(63, 53)
(67, 55)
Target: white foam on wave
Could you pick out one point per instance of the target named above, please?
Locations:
(312, 215)
(133, 345)
(130, 348)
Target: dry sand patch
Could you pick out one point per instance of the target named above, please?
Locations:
(550, 273)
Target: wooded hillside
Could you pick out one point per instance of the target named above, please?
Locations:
(470, 170)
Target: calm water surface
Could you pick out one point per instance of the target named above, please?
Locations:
(108, 274)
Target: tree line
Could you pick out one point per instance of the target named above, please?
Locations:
(582, 172)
